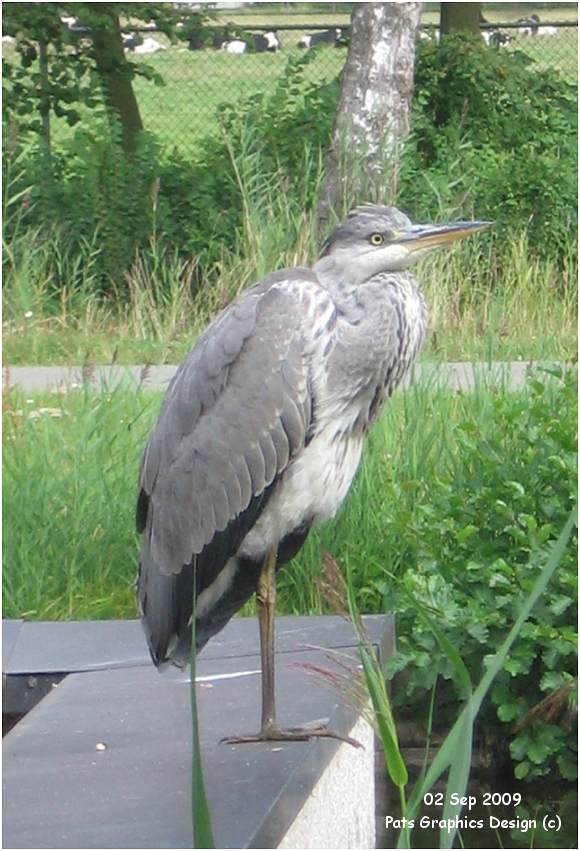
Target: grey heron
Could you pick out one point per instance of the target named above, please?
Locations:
(261, 431)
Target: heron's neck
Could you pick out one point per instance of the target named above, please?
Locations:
(359, 297)
(341, 281)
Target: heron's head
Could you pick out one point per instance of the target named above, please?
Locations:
(377, 239)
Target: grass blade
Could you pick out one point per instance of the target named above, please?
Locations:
(384, 716)
(201, 819)
(377, 688)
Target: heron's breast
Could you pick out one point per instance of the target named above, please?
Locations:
(311, 489)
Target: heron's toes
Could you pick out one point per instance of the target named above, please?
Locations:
(292, 734)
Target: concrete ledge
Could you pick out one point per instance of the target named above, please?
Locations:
(103, 761)
(335, 814)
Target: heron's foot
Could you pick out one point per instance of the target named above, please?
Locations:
(273, 733)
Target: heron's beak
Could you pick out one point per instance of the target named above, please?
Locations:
(419, 237)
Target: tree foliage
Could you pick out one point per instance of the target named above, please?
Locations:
(493, 136)
(80, 59)
(70, 82)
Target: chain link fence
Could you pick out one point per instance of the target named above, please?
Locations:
(200, 82)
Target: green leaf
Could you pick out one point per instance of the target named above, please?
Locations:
(478, 631)
(522, 770)
(560, 603)
(519, 746)
(383, 714)
(508, 711)
(538, 751)
(568, 767)
(552, 680)
(466, 533)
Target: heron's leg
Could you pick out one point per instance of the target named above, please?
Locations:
(270, 731)
(266, 602)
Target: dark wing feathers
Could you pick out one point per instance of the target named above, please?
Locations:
(235, 413)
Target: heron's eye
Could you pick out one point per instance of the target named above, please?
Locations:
(377, 239)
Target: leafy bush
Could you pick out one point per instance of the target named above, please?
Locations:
(88, 186)
(495, 136)
(492, 136)
(196, 206)
(299, 113)
(468, 546)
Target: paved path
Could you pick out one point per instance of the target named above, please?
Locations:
(457, 376)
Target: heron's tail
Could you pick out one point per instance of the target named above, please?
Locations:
(165, 606)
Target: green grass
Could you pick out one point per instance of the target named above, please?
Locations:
(69, 493)
(215, 78)
(70, 468)
(521, 308)
(212, 78)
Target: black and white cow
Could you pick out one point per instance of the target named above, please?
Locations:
(495, 38)
(73, 25)
(267, 42)
(148, 45)
(528, 26)
(334, 37)
(131, 40)
(261, 43)
(235, 45)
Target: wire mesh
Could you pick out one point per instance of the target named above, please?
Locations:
(199, 83)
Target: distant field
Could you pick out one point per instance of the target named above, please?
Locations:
(197, 83)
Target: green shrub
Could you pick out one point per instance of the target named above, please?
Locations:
(467, 545)
(298, 114)
(495, 137)
(88, 185)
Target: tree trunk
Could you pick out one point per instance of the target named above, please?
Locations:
(460, 17)
(372, 118)
(115, 73)
(44, 94)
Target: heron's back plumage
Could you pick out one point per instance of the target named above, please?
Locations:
(235, 415)
(259, 436)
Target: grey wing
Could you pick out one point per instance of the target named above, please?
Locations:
(235, 414)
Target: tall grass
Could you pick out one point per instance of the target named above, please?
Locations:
(69, 491)
(487, 299)
(492, 301)
(70, 472)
